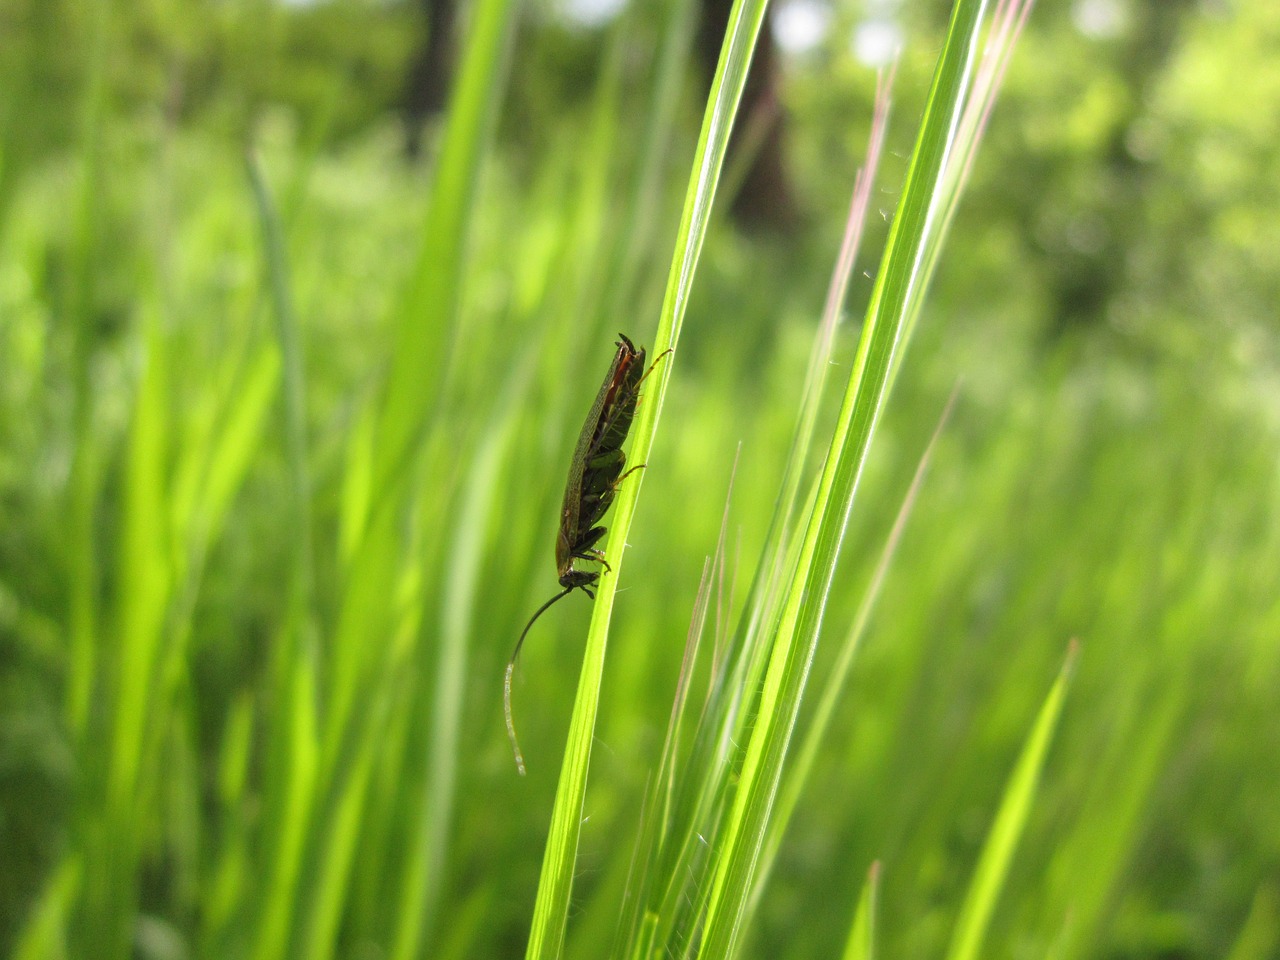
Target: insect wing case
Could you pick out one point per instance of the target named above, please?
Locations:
(598, 458)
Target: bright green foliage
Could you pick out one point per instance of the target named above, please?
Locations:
(282, 444)
(1015, 808)
(861, 944)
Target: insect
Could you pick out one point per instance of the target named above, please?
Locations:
(595, 474)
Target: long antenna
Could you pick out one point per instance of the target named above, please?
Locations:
(511, 665)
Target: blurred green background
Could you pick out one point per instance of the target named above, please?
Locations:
(253, 627)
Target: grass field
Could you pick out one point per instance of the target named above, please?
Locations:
(283, 440)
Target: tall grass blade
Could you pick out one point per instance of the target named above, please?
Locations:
(44, 936)
(290, 341)
(785, 510)
(426, 317)
(140, 699)
(1015, 807)
(291, 806)
(861, 944)
(899, 282)
(83, 483)
(798, 773)
(292, 750)
(425, 323)
(1007, 22)
(639, 925)
(423, 879)
(556, 881)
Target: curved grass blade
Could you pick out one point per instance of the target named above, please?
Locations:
(84, 482)
(788, 505)
(292, 672)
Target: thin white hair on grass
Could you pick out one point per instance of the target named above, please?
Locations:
(1008, 20)
(604, 744)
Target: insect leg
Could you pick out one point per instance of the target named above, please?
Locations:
(597, 556)
(582, 549)
(656, 361)
(638, 466)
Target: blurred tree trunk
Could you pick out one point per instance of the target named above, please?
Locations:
(430, 70)
(764, 201)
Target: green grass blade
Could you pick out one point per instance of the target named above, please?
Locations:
(293, 748)
(646, 198)
(1007, 22)
(761, 596)
(290, 340)
(898, 283)
(140, 698)
(556, 882)
(861, 944)
(423, 880)
(798, 774)
(44, 937)
(427, 314)
(83, 483)
(1260, 936)
(425, 321)
(338, 847)
(1015, 807)
(223, 462)
(641, 925)
(296, 757)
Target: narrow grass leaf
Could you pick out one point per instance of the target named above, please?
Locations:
(292, 798)
(645, 203)
(426, 318)
(225, 462)
(898, 282)
(44, 935)
(1006, 25)
(86, 476)
(798, 774)
(139, 699)
(639, 926)
(423, 880)
(337, 850)
(290, 340)
(861, 944)
(1019, 797)
(786, 508)
(556, 882)
(425, 322)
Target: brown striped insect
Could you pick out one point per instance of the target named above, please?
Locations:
(595, 472)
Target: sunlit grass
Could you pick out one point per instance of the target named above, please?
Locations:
(290, 503)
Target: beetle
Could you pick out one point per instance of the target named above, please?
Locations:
(595, 473)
